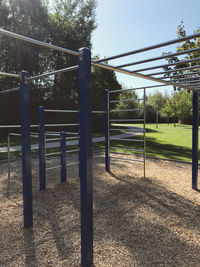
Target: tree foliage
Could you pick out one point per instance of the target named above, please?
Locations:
(68, 23)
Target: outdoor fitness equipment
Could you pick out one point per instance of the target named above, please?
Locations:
(85, 108)
(109, 149)
(42, 146)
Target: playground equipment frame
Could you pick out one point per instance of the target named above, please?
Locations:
(84, 70)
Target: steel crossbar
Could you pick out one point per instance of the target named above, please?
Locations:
(121, 158)
(175, 41)
(40, 43)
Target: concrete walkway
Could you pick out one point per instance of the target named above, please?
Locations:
(131, 131)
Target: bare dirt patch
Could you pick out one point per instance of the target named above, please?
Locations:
(152, 221)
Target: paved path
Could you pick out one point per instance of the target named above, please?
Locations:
(132, 130)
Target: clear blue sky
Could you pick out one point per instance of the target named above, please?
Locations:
(125, 25)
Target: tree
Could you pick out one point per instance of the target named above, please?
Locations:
(157, 102)
(123, 104)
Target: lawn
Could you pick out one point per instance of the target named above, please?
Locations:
(167, 141)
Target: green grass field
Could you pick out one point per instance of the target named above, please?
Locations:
(166, 141)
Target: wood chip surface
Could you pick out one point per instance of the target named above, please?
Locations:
(152, 221)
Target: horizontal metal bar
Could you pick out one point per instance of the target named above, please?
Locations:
(181, 62)
(16, 134)
(9, 90)
(48, 134)
(175, 70)
(119, 129)
(52, 139)
(61, 110)
(40, 43)
(180, 75)
(126, 120)
(52, 168)
(111, 157)
(123, 153)
(188, 51)
(73, 150)
(125, 71)
(59, 125)
(185, 79)
(17, 76)
(58, 133)
(73, 163)
(15, 126)
(179, 40)
(126, 100)
(126, 110)
(53, 73)
(124, 90)
(190, 82)
(72, 138)
(146, 87)
(53, 153)
(98, 111)
(123, 139)
(128, 149)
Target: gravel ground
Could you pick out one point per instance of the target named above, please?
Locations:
(152, 221)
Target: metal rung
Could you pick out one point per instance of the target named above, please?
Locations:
(126, 100)
(111, 157)
(119, 129)
(98, 111)
(125, 90)
(122, 139)
(52, 168)
(51, 134)
(127, 120)
(53, 153)
(126, 110)
(58, 133)
(128, 149)
(73, 150)
(123, 153)
(59, 125)
(61, 110)
(52, 139)
(131, 132)
(72, 138)
(73, 163)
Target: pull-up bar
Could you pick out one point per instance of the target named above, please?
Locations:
(138, 75)
(17, 76)
(40, 43)
(179, 40)
(160, 57)
(53, 73)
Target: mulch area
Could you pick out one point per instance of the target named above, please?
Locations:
(152, 221)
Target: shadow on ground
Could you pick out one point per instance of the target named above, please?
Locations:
(145, 223)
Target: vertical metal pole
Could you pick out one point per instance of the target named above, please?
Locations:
(42, 158)
(26, 149)
(144, 131)
(86, 179)
(63, 177)
(195, 140)
(8, 156)
(107, 131)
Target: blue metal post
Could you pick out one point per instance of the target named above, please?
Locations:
(107, 131)
(42, 158)
(26, 149)
(63, 156)
(86, 179)
(195, 140)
